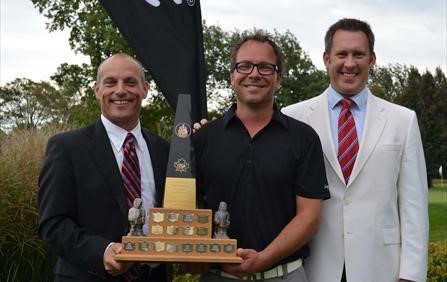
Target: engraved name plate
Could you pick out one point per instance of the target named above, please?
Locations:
(202, 231)
(129, 246)
(171, 230)
(172, 248)
(202, 218)
(160, 246)
(187, 248)
(157, 229)
(158, 217)
(173, 217)
(215, 248)
(188, 218)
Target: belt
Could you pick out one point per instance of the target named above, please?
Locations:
(278, 271)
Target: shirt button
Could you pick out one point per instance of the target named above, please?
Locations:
(346, 202)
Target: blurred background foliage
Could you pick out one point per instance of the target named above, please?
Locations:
(32, 111)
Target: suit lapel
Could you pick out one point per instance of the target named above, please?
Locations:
(319, 120)
(103, 155)
(374, 124)
(156, 167)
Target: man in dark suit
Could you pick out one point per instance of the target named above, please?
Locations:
(82, 201)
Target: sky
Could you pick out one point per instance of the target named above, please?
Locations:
(410, 32)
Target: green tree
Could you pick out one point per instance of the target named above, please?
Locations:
(301, 78)
(217, 45)
(388, 82)
(440, 99)
(92, 33)
(28, 104)
(426, 95)
(76, 83)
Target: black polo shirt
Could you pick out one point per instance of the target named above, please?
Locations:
(259, 177)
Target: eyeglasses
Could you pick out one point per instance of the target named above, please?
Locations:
(263, 68)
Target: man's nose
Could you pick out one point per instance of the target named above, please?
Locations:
(254, 72)
(350, 61)
(120, 88)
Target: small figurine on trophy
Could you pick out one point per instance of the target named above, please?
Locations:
(222, 221)
(136, 217)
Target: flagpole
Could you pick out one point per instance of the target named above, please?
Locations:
(440, 174)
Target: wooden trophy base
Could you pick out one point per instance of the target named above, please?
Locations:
(179, 235)
(162, 249)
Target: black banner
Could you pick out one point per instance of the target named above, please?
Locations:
(167, 37)
(181, 153)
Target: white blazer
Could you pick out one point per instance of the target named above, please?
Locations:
(377, 225)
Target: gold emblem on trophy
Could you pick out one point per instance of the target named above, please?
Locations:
(181, 165)
(182, 130)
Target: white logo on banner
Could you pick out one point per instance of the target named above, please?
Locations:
(156, 3)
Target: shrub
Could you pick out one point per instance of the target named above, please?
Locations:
(23, 257)
(437, 261)
(180, 276)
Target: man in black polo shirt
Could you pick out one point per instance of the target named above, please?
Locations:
(266, 166)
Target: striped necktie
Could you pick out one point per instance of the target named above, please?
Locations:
(131, 170)
(348, 144)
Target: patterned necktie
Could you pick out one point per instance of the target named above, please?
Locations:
(348, 144)
(131, 170)
(132, 184)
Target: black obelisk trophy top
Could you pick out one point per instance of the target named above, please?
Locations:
(180, 181)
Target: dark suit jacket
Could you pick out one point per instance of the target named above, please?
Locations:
(82, 201)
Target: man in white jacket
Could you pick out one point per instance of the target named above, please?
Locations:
(375, 226)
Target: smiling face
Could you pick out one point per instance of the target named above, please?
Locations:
(255, 89)
(121, 88)
(348, 62)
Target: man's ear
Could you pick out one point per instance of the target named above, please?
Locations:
(326, 59)
(232, 79)
(96, 90)
(146, 89)
(278, 80)
(372, 60)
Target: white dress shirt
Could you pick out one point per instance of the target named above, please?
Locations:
(117, 135)
(358, 111)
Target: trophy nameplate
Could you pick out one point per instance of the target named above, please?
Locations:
(180, 193)
(179, 232)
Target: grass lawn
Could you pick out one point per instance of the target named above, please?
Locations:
(437, 210)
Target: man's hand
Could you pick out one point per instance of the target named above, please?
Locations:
(112, 266)
(199, 125)
(252, 262)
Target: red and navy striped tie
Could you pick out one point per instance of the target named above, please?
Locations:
(130, 171)
(348, 144)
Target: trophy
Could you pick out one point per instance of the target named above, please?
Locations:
(179, 232)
